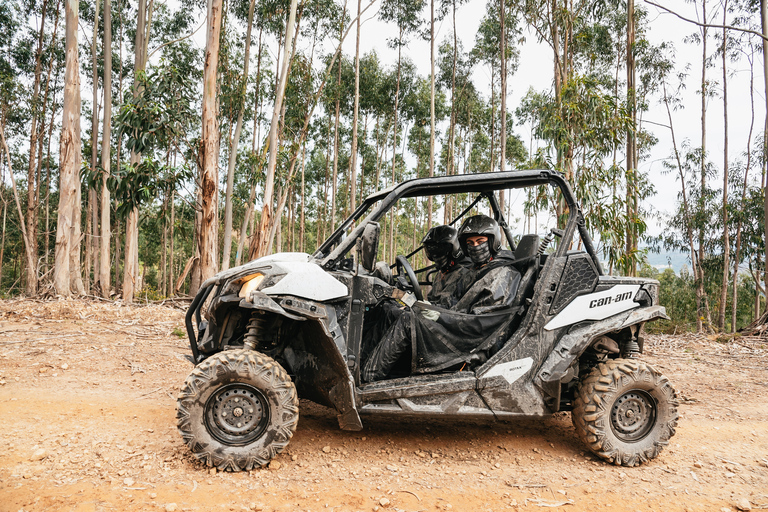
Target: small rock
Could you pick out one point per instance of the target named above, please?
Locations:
(294, 458)
(152, 495)
(65, 366)
(212, 471)
(391, 467)
(698, 465)
(743, 504)
(274, 465)
(622, 475)
(128, 482)
(326, 449)
(435, 455)
(726, 509)
(730, 475)
(38, 455)
(171, 507)
(384, 502)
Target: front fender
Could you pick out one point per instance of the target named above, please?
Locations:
(578, 338)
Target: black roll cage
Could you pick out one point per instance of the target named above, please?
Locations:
(335, 247)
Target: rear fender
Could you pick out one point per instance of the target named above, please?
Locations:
(580, 336)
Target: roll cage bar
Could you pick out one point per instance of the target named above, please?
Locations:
(484, 184)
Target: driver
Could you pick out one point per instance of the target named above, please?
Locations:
(391, 324)
(443, 337)
(441, 245)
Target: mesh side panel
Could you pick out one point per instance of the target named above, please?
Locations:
(579, 277)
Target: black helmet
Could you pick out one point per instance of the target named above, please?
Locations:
(441, 245)
(481, 225)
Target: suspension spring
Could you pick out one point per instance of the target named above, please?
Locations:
(257, 328)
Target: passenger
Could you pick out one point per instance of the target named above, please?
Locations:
(495, 281)
(453, 277)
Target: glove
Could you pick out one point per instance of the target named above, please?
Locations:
(430, 314)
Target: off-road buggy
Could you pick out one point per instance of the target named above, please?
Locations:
(291, 325)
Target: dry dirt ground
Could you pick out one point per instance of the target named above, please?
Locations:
(87, 423)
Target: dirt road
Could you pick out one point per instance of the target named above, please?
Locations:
(87, 423)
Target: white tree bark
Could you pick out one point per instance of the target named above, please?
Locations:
(208, 239)
(106, 233)
(70, 159)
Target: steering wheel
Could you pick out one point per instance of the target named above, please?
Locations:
(401, 262)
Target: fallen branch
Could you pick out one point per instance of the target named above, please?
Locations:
(410, 492)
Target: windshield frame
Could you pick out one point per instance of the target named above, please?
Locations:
(335, 247)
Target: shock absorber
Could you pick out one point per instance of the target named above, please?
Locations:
(545, 243)
(256, 329)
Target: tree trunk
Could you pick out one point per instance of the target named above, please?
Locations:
(394, 146)
(68, 226)
(700, 292)
(106, 147)
(207, 237)
(2, 242)
(131, 256)
(301, 222)
(227, 246)
(631, 197)
(31, 214)
(737, 255)
(764, 25)
(261, 240)
(452, 128)
(503, 72)
(353, 156)
(726, 241)
(93, 202)
(169, 284)
(431, 106)
(334, 178)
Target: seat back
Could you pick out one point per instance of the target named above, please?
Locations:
(527, 249)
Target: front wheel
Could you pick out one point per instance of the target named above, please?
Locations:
(625, 411)
(237, 410)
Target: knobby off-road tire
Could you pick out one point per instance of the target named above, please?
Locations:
(237, 410)
(625, 411)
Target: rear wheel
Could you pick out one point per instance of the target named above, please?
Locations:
(625, 411)
(237, 410)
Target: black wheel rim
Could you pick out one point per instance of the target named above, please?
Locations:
(633, 415)
(237, 414)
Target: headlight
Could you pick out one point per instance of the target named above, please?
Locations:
(250, 283)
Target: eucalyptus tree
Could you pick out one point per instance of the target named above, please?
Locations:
(106, 160)
(209, 147)
(67, 277)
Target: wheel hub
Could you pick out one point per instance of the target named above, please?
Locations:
(633, 415)
(236, 414)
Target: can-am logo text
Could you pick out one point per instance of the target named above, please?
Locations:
(610, 300)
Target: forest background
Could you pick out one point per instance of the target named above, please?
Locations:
(236, 128)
